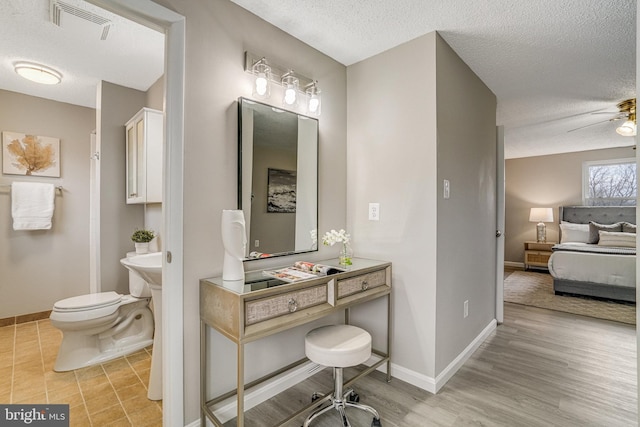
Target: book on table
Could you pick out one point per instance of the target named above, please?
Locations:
(302, 270)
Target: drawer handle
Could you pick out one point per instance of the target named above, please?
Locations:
(293, 305)
(365, 285)
(133, 195)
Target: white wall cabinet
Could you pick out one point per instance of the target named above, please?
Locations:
(144, 157)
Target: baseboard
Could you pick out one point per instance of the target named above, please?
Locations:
(24, 318)
(457, 363)
(227, 410)
(514, 264)
(433, 385)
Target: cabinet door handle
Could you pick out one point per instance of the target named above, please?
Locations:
(293, 305)
(365, 285)
(133, 195)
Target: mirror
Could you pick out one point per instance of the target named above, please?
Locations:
(277, 179)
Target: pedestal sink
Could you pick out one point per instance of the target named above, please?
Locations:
(149, 267)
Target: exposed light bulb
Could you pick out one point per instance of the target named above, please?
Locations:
(261, 84)
(314, 103)
(290, 95)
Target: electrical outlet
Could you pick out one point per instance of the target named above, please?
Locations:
(447, 189)
(257, 243)
(466, 308)
(374, 211)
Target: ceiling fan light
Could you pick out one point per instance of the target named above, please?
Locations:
(38, 73)
(628, 128)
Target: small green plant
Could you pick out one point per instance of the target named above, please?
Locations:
(143, 236)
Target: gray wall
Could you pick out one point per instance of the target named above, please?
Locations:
(403, 139)
(467, 220)
(544, 181)
(117, 219)
(40, 267)
(218, 34)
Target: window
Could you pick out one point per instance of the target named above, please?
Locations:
(609, 182)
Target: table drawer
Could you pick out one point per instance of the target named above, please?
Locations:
(279, 305)
(361, 283)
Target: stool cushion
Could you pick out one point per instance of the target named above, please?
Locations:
(338, 346)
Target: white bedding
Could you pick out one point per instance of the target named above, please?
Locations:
(610, 269)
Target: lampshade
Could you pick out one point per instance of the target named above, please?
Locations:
(38, 73)
(541, 215)
(628, 128)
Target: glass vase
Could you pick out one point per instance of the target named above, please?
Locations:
(346, 253)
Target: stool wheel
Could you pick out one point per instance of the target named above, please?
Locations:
(315, 396)
(353, 397)
(376, 422)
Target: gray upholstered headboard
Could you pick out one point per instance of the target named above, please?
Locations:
(599, 214)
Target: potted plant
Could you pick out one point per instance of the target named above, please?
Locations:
(141, 238)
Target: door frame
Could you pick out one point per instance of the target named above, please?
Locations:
(172, 24)
(500, 182)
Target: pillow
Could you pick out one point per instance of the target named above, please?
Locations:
(574, 232)
(594, 228)
(627, 227)
(619, 239)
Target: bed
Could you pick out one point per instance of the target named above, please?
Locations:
(596, 256)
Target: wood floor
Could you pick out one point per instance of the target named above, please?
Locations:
(539, 368)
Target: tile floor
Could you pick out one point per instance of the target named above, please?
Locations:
(110, 394)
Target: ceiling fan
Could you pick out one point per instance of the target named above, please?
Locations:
(627, 110)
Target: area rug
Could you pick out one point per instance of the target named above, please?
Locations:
(536, 289)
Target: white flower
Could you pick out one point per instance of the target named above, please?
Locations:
(332, 237)
(314, 235)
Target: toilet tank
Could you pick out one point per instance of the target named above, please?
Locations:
(138, 287)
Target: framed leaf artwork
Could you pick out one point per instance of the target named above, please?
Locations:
(30, 155)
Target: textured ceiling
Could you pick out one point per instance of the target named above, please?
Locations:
(550, 63)
(132, 55)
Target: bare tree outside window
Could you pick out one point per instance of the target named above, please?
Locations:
(612, 184)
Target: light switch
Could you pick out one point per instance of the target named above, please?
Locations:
(447, 189)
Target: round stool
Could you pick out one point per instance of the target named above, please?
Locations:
(339, 346)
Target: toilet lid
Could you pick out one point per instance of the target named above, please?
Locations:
(89, 301)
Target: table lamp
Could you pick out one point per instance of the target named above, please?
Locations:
(541, 215)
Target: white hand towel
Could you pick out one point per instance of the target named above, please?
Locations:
(32, 205)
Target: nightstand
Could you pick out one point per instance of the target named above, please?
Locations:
(536, 254)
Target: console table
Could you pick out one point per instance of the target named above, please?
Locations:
(260, 306)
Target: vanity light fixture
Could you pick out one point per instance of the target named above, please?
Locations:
(262, 85)
(297, 89)
(290, 85)
(314, 102)
(38, 73)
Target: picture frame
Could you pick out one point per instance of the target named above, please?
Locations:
(30, 155)
(281, 191)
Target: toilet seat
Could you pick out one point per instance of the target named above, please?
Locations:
(87, 307)
(88, 302)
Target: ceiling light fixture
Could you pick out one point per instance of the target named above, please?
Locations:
(38, 73)
(628, 128)
(266, 73)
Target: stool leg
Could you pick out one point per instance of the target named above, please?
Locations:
(315, 414)
(364, 407)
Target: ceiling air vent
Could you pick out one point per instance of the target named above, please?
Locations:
(58, 7)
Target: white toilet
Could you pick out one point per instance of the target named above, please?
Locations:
(103, 326)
